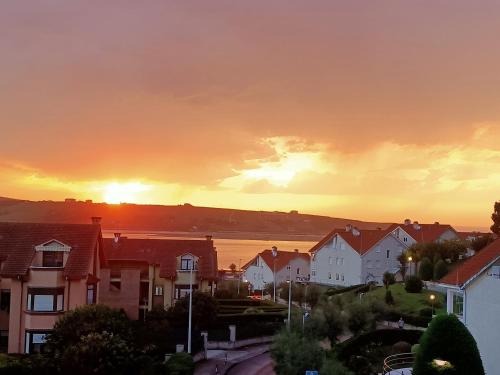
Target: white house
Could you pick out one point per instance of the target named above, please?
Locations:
(473, 294)
(352, 256)
(260, 270)
(410, 233)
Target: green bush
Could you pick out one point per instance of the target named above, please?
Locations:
(425, 312)
(449, 340)
(359, 318)
(389, 299)
(413, 284)
(332, 366)
(425, 270)
(388, 279)
(440, 270)
(180, 364)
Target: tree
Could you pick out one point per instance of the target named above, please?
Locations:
(92, 339)
(481, 242)
(403, 261)
(335, 320)
(293, 354)
(389, 299)
(232, 267)
(388, 279)
(359, 318)
(495, 216)
(449, 340)
(313, 295)
(149, 336)
(440, 270)
(425, 270)
(204, 311)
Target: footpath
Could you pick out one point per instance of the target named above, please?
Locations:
(220, 361)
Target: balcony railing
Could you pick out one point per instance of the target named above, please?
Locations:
(400, 364)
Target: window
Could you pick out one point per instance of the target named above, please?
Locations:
(337, 276)
(377, 249)
(158, 290)
(298, 272)
(458, 304)
(313, 272)
(115, 285)
(182, 291)
(329, 275)
(368, 264)
(45, 300)
(4, 340)
(405, 239)
(342, 246)
(341, 261)
(91, 294)
(5, 300)
(35, 341)
(330, 260)
(388, 253)
(144, 293)
(342, 277)
(52, 258)
(187, 263)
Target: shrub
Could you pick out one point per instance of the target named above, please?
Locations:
(401, 347)
(389, 299)
(440, 270)
(413, 284)
(425, 270)
(204, 311)
(180, 364)
(449, 340)
(334, 320)
(332, 366)
(425, 312)
(359, 318)
(293, 354)
(414, 348)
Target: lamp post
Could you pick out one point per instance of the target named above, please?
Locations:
(262, 280)
(432, 298)
(289, 296)
(190, 304)
(275, 254)
(239, 276)
(409, 260)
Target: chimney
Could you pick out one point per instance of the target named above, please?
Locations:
(379, 228)
(407, 221)
(208, 237)
(274, 251)
(96, 219)
(117, 237)
(355, 232)
(416, 225)
(348, 227)
(296, 251)
(436, 222)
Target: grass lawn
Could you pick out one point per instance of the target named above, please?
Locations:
(411, 303)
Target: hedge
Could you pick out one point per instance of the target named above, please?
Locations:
(333, 292)
(384, 337)
(414, 320)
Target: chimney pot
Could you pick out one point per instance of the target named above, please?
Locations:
(407, 221)
(96, 219)
(296, 250)
(348, 227)
(355, 231)
(208, 237)
(436, 222)
(117, 237)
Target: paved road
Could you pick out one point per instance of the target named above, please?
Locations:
(260, 365)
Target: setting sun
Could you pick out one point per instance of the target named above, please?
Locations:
(116, 192)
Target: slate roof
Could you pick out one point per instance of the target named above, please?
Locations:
(163, 252)
(361, 243)
(283, 258)
(18, 241)
(473, 266)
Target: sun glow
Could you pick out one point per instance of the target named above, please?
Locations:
(117, 192)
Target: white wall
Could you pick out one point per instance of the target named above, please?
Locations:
(299, 264)
(482, 318)
(336, 258)
(376, 261)
(258, 274)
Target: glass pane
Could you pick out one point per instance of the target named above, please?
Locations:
(43, 303)
(38, 338)
(60, 298)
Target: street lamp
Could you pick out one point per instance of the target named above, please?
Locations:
(409, 260)
(190, 304)
(432, 298)
(289, 295)
(239, 277)
(274, 252)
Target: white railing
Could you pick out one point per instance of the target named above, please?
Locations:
(398, 362)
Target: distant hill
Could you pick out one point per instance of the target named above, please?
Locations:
(182, 218)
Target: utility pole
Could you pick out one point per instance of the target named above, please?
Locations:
(190, 304)
(275, 254)
(239, 276)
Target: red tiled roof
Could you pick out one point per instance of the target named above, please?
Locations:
(18, 241)
(426, 233)
(164, 253)
(466, 235)
(473, 266)
(283, 258)
(361, 243)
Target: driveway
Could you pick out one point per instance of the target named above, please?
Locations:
(260, 365)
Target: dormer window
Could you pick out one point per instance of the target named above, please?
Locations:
(187, 262)
(51, 254)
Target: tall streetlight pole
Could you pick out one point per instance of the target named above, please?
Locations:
(289, 295)
(275, 254)
(432, 297)
(239, 276)
(409, 260)
(190, 304)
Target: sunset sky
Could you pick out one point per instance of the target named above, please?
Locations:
(376, 110)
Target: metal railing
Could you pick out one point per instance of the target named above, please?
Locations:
(398, 362)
